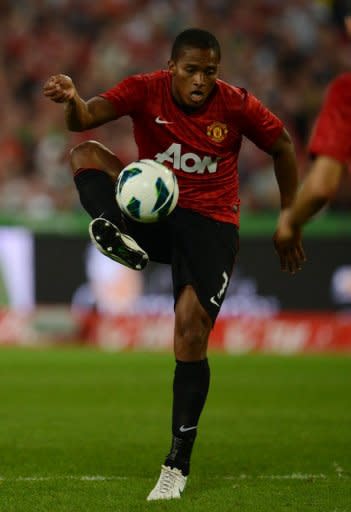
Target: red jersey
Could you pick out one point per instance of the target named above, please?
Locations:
(201, 147)
(331, 135)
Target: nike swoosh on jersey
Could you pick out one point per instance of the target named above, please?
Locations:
(158, 120)
(185, 429)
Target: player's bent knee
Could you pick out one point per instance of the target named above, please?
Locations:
(82, 154)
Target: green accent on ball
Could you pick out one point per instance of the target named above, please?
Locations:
(126, 175)
(164, 210)
(133, 208)
(162, 194)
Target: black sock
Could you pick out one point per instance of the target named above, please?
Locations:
(97, 194)
(190, 388)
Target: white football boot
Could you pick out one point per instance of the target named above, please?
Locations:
(118, 246)
(169, 486)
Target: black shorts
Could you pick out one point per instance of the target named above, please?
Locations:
(200, 250)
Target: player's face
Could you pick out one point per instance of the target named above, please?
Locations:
(194, 75)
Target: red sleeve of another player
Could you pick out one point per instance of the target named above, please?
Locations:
(260, 125)
(127, 96)
(331, 135)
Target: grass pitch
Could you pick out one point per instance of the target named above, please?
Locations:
(82, 430)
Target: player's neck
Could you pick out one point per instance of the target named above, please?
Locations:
(192, 110)
(185, 108)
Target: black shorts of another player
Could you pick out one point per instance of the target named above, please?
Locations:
(200, 250)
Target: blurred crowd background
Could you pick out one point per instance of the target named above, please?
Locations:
(284, 51)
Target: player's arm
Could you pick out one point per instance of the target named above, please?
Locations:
(80, 115)
(263, 128)
(285, 168)
(266, 130)
(330, 142)
(319, 187)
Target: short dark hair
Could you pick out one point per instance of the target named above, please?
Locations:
(195, 38)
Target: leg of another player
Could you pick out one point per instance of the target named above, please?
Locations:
(190, 387)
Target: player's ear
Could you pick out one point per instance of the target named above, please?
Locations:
(348, 23)
(171, 66)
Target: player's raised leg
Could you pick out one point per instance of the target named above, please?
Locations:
(190, 387)
(95, 169)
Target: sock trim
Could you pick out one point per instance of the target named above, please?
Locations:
(81, 170)
(200, 362)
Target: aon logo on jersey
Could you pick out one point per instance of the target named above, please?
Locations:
(189, 162)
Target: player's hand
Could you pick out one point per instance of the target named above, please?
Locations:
(59, 88)
(288, 245)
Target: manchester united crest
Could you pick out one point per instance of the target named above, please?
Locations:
(217, 131)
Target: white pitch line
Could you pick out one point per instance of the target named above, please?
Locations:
(83, 478)
(292, 476)
(102, 478)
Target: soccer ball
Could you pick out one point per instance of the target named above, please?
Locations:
(147, 191)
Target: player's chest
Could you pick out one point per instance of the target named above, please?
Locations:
(213, 132)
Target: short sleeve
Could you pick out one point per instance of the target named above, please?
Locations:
(331, 135)
(127, 96)
(259, 124)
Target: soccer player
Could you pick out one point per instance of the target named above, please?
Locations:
(188, 119)
(330, 145)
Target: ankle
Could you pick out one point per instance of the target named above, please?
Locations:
(180, 454)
